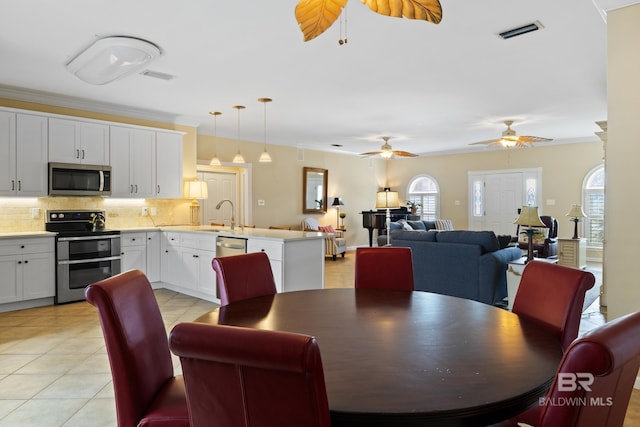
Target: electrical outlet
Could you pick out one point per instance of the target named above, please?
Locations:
(144, 212)
(154, 212)
(35, 213)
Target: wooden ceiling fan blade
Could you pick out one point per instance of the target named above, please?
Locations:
(400, 153)
(531, 139)
(370, 153)
(487, 142)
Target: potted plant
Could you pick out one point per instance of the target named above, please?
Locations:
(413, 206)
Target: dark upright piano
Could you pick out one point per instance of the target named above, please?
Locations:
(375, 220)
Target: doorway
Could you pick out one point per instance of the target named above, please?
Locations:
(231, 183)
(495, 196)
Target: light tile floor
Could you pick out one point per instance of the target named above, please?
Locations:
(54, 370)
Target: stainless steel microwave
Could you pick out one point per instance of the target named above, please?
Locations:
(68, 179)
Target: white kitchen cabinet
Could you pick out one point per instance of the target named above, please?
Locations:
(193, 252)
(132, 162)
(273, 249)
(133, 250)
(168, 165)
(27, 268)
(23, 155)
(78, 141)
(153, 255)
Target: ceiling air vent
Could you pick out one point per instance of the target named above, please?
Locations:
(534, 26)
(157, 75)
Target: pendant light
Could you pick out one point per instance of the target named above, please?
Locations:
(215, 161)
(265, 157)
(238, 157)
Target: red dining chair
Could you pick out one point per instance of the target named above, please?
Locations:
(384, 268)
(594, 381)
(243, 276)
(248, 377)
(553, 295)
(146, 391)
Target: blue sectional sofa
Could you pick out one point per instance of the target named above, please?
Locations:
(466, 264)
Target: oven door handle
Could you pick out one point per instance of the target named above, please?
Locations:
(85, 261)
(100, 237)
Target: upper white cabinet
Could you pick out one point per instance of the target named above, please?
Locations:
(23, 155)
(133, 162)
(168, 165)
(76, 141)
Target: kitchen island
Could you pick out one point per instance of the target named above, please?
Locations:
(179, 257)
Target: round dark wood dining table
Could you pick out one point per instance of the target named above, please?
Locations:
(395, 358)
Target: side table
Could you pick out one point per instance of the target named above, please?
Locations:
(514, 273)
(572, 253)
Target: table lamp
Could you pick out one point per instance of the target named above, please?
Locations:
(195, 190)
(337, 202)
(529, 218)
(387, 199)
(576, 213)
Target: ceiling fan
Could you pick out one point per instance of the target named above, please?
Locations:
(386, 152)
(509, 139)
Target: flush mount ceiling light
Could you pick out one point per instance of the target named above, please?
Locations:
(112, 58)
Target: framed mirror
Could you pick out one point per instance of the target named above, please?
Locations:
(314, 190)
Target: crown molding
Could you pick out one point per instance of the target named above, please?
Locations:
(57, 100)
(605, 6)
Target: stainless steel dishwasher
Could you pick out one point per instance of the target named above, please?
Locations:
(226, 246)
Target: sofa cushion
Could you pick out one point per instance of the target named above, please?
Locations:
(417, 225)
(486, 239)
(419, 235)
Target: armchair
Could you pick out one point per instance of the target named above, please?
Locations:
(548, 248)
(334, 243)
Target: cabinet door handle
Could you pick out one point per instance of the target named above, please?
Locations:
(21, 246)
(136, 188)
(131, 190)
(195, 256)
(83, 154)
(13, 185)
(158, 190)
(19, 185)
(77, 154)
(26, 261)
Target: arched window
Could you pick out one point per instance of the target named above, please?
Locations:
(593, 206)
(424, 191)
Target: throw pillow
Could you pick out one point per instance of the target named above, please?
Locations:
(330, 229)
(444, 224)
(405, 225)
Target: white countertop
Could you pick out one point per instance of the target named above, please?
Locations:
(255, 233)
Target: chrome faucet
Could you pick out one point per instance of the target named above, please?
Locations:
(233, 219)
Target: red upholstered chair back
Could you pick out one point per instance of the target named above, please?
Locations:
(243, 276)
(384, 268)
(247, 377)
(610, 356)
(138, 350)
(553, 295)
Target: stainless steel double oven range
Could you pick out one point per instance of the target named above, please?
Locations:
(86, 252)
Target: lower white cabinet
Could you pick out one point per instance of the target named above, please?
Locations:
(572, 252)
(186, 264)
(153, 255)
(27, 268)
(133, 250)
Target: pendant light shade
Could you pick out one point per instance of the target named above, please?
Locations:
(265, 157)
(215, 161)
(238, 157)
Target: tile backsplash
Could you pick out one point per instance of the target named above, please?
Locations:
(28, 214)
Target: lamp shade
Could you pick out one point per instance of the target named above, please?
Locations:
(111, 58)
(337, 201)
(195, 190)
(387, 200)
(576, 212)
(529, 217)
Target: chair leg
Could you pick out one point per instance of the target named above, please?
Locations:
(333, 256)
(343, 254)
